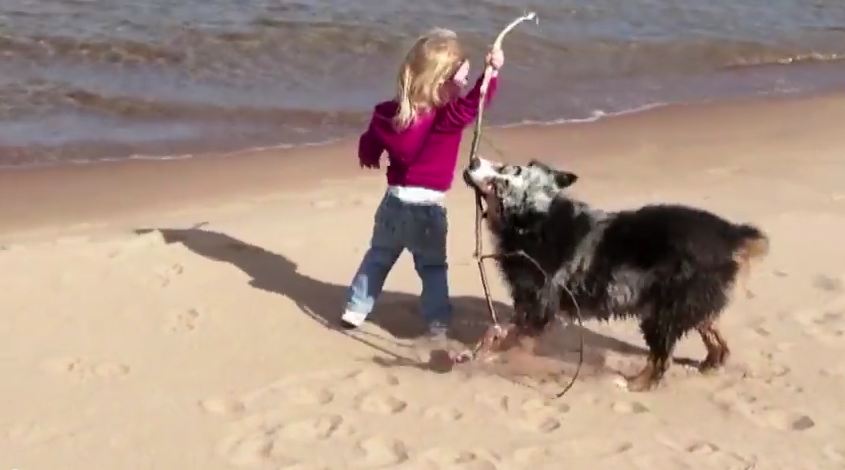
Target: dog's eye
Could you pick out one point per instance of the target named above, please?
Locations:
(502, 184)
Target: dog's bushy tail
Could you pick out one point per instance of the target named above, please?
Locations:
(753, 243)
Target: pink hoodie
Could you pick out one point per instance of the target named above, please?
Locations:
(424, 154)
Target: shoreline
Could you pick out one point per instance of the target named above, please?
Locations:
(33, 144)
(595, 117)
(39, 200)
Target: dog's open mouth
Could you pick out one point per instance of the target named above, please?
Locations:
(481, 174)
(484, 186)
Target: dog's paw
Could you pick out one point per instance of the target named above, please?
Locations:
(641, 383)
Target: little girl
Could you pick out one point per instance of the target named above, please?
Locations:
(421, 131)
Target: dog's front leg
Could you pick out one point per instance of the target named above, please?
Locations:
(534, 312)
(499, 338)
(495, 338)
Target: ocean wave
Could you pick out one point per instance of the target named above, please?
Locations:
(20, 98)
(282, 49)
(109, 50)
(786, 59)
(196, 47)
(597, 58)
(594, 116)
(18, 158)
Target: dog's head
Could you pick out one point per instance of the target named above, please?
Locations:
(517, 188)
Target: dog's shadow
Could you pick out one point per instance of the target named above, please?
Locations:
(396, 312)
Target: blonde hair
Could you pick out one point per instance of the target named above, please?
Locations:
(430, 63)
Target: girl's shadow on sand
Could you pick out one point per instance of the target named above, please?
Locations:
(396, 312)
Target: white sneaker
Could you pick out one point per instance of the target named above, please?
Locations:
(438, 331)
(351, 319)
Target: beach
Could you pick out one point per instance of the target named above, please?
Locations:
(178, 314)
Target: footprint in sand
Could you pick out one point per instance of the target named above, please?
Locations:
(750, 407)
(538, 415)
(223, 406)
(183, 321)
(835, 371)
(257, 450)
(629, 408)
(827, 283)
(308, 396)
(267, 441)
(530, 456)
(381, 404)
(766, 367)
(452, 458)
(248, 450)
(710, 455)
(165, 275)
(789, 421)
(828, 325)
(494, 401)
(444, 414)
(702, 448)
(599, 449)
(732, 400)
(82, 369)
(540, 404)
(373, 378)
(311, 429)
(377, 452)
(541, 424)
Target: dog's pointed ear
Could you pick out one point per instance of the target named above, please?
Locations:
(565, 179)
(539, 164)
(562, 178)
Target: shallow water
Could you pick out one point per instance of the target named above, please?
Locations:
(93, 79)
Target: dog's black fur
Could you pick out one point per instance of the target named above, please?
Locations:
(671, 266)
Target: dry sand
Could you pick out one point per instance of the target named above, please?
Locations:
(172, 315)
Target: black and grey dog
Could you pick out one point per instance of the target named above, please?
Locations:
(672, 267)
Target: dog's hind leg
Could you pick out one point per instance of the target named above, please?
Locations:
(717, 347)
(661, 344)
(651, 374)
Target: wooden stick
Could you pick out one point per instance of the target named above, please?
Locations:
(473, 155)
(488, 71)
(488, 74)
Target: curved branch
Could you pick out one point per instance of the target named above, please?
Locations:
(497, 44)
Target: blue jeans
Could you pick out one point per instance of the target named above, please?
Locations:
(421, 229)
